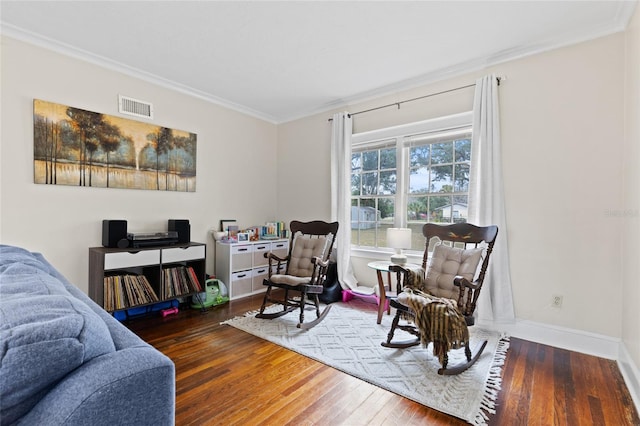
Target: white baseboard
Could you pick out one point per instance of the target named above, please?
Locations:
(578, 341)
(630, 373)
(562, 337)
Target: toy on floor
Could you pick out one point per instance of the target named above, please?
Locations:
(216, 294)
(169, 311)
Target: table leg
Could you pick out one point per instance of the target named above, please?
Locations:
(390, 289)
(383, 296)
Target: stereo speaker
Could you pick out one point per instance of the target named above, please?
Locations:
(183, 228)
(114, 233)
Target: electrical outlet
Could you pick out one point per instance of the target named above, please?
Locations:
(556, 301)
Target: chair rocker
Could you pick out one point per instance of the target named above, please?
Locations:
(445, 294)
(305, 271)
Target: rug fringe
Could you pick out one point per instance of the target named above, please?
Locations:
(493, 384)
(252, 313)
(245, 315)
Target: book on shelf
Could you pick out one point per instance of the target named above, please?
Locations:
(125, 291)
(195, 282)
(273, 230)
(179, 280)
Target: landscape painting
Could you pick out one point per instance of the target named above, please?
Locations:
(73, 146)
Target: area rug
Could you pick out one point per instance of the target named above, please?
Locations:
(349, 340)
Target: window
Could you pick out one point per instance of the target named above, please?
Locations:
(373, 193)
(409, 175)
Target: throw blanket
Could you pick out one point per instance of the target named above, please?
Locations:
(438, 320)
(415, 279)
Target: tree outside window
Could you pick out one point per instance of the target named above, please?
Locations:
(436, 185)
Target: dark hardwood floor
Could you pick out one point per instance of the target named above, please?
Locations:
(227, 377)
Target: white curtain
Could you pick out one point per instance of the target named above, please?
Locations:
(486, 201)
(341, 195)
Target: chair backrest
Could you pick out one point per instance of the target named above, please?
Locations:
(461, 248)
(309, 240)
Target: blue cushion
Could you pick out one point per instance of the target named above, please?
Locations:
(11, 256)
(45, 333)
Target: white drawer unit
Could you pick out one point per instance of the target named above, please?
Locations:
(259, 275)
(183, 254)
(240, 283)
(128, 259)
(258, 253)
(280, 248)
(243, 267)
(242, 257)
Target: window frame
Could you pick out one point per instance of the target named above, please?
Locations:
(404, 135)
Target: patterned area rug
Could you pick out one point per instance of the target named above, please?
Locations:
(349, 340)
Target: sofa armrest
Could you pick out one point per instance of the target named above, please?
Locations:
(122, 337)
(132, 386)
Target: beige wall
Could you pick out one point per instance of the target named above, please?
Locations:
(562, 138)
(236, 159)
(304, 169)
(631, 221)
(563, 134)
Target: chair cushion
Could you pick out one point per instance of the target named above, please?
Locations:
(289, 279)
(304, 249)
(448, 262)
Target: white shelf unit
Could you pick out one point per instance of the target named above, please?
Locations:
(243, 267)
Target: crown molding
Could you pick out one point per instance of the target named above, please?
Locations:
(623, 16)
(625, 13)
(619, 23)
(83, 55)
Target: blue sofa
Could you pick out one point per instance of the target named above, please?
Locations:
(66, 361)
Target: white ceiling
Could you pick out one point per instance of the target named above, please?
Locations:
(284, 60)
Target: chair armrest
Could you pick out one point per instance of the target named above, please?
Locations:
(462, 282)
(398, 268)
(319, 262)
(402, 276)
(468, 294)
(269, 255)
(320, 268)
(273, 258)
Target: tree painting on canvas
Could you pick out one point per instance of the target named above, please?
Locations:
(72, 146)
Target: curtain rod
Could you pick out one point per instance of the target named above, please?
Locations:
(416, 99)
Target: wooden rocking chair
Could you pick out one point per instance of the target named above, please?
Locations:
(305, 271)
(450, 285)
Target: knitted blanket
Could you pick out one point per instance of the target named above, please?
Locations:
(415, 279)
(438, 320)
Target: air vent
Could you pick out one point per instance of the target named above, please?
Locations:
(135, 107)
